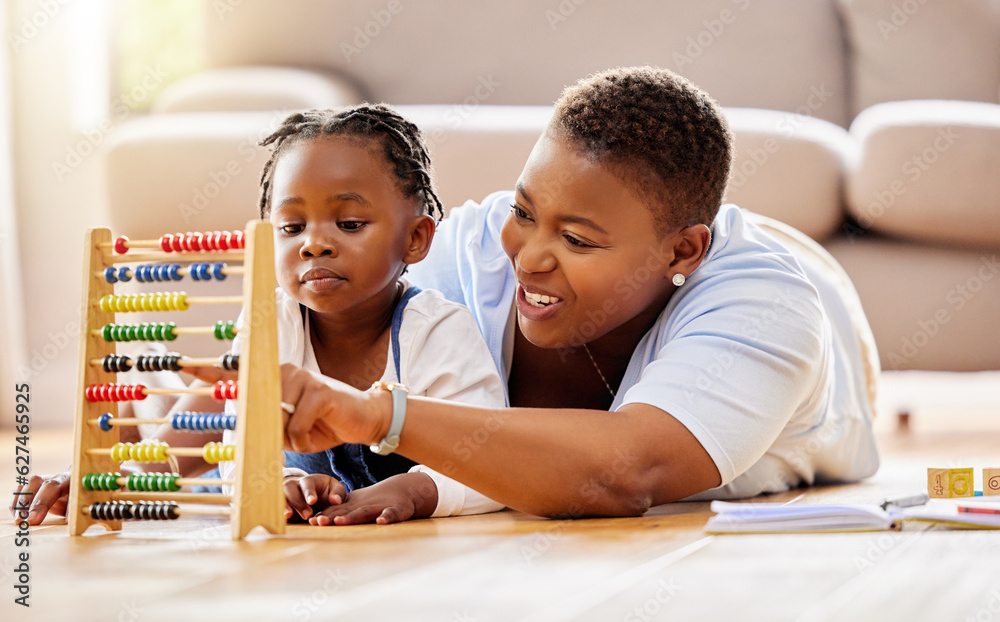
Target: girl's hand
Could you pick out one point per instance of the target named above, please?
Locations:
(330, 413)
(399, 498)
(305, 493)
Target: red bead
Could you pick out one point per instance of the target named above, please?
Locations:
(138, 392)
(214, 239)
(175, 242)
(225, 238)
(121, 245)
(240, 240)
(165, 241)
(196, 241)
(231, 390)
(89, 392)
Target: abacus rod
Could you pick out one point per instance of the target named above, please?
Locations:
(183, 481)
(133, 244)
(228, 271)
(210, 390)
(194, 510)
(215, 300)
(199, 362)
(190, 452)
(181, 330)
(183, 362)
(208, 498)
(131, 421)
(182, 256)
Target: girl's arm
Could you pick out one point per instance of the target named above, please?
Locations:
(549, 462)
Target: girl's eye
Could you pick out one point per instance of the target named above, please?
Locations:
(351, 225)
(291, 229)
(519, 212)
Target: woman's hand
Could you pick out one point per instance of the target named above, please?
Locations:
(330, 413)
(399, 498)
(306, 494)
(46, 494)
(43, 494)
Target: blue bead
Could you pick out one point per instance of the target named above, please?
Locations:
(104, 422)
(123, 274)
(175, 271)
(205, 271)
(109, 275)
(217, 271)
(195, 273)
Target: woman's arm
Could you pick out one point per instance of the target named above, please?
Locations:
(549, 462)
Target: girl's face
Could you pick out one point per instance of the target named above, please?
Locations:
(585, 251)
(342, 228)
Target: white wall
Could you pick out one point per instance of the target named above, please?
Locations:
(12, 340)
(52, 210)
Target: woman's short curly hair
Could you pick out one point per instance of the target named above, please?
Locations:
(658, 133)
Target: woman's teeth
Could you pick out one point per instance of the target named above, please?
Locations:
(539, 300)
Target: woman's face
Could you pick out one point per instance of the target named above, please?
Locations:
(585, 251)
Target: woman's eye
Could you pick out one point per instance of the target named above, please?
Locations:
(351, 225)
(575, 241)
(519, 212)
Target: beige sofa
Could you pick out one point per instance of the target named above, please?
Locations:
(871, 125)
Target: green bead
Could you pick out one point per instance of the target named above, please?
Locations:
(106, 332)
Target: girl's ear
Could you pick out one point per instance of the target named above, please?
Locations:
(419, 241)
(690, 247)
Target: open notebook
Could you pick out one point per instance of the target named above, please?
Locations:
(981, 513)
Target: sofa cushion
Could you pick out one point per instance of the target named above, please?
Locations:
(789, 167)
(256, 88)
(923, 49)
(929, 307)
(927, 170)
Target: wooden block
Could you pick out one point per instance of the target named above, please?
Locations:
(950, 483)
(991, 481)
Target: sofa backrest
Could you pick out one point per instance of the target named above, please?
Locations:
(784, 55)
(922, 49)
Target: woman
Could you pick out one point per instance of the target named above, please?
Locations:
(655, 344)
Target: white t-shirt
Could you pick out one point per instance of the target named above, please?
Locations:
(442, 355)
(755, 354)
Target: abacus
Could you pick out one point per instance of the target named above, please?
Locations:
(96, 495)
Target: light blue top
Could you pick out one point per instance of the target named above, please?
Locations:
(754, 354)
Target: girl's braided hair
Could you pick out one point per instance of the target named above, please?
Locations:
(402, 145)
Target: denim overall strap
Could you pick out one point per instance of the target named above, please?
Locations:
(397, 322)
(347, 462)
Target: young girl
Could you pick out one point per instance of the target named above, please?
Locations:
(349, 195)
(732, 353)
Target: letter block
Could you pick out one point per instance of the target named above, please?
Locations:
(991, 482)
(949, 483)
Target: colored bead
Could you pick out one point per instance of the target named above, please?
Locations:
(217, 271)
(104, 422)
(109, 275)
(230, 361)
(175, 242)
(121, 245)
(124, 274)
(166, 242)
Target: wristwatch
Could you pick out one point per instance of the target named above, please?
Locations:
(391, 440)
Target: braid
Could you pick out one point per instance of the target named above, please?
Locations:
(402, 144)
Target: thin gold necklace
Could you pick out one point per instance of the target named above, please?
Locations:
(605, 380)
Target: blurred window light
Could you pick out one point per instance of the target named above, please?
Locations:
(158, 43)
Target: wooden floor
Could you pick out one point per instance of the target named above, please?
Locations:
(509, 566)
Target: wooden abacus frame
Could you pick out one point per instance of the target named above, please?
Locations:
(258, 499)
